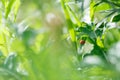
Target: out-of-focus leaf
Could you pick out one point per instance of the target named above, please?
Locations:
(2, 42)
(74, 15)
(6, 74)
(3, 46)
(11, 61)
(16, 7)
(97, 4)
(87, 31)
(92, 10)
(9, 8)
(28, 66)
(99, 29)
(16, 48)
(101, 7)
(99, 25)
(116, 18)
(114, 55)
(7, 32)
(5, 35)
(99, 32)
(99, 42)
(112, 36)
(72, 34)
(69, 23)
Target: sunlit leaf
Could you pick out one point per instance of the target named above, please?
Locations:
(102, 7)
(69, 22)
(99, 42)
(92, 10)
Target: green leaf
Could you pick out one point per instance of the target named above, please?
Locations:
(99, 32)
(16, 7)
(97, 4)
(69, 22)
(102, 7)
(74, 15)
(87, 31)
(116, 18)
(99, 42)
(99, 28)
(92, 10)
(9, 8)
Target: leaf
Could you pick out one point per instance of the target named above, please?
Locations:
(100, 28)
(97, 4)
(99, 32)
(16, 7)
(7, 32)
(5, 35)
(116, 18)
(74, 15)
(11, 61)
(102, 7)
(92, 10)
(69, 22)
(100, 25)
(99, 42)
(3, 42)
(87, 31)
(9, 7)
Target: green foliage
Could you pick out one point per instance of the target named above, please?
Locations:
(38, 43)
(96, 31)
(116, 18)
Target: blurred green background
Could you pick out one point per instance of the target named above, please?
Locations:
(35, 45)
